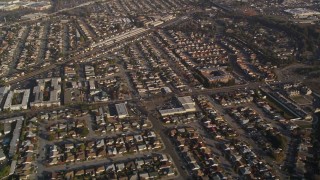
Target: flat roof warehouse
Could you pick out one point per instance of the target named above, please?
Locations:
(122, 110)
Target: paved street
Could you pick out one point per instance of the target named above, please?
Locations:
(227, 167)
(103, 81)
(120, 39)
(243, 136)
(169, 147)
(95, 163)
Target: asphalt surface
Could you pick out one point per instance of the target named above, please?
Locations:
(107, 45)
(169, 147)
(157, 124)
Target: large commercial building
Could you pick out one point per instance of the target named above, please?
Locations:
(122, 110)
(186, 105)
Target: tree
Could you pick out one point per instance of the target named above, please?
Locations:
(84, 132)
(51, 137)
(2, 82)
(82, 39)
(4, 171)
(82, 147)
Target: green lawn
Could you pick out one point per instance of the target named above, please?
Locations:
(301, 100)
(286, 114)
